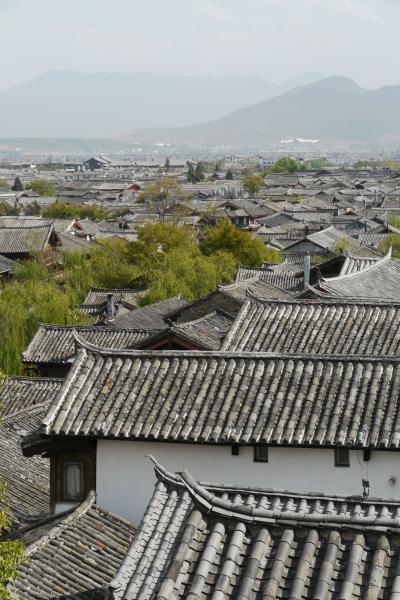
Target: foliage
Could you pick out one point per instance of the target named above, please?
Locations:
(394, 220)
(7, 209)
(161, 196)
(219, 165)
(43, 187)
(246, 249)
(33, 209)
(3, 183)
(341, 246)
(24, 304)
(229, 174)
(167, 164)
(285, 164)
(392, 240)
(67, 210)
(12, 553)
(195, 175)
(188, 272)
(394, 165)
(252, 183)
(17, 185)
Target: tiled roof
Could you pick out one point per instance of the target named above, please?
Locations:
(281, 278)
(151, 316)
(99, 295)
(18, 393)
(21, 240)
(6, 265)
(320, 327)
(202, 542)
(27, 479)
(56, 343)
(208, 331)
(240, 289)
(227, 398)
(378, 280)
(75, 555)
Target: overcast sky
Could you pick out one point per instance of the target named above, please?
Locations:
(277, 39)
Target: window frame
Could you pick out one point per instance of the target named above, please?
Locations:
(338, 462)
(81, 496)
(256, 457)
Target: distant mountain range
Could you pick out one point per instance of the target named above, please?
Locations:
(331, 110)
(71, 104)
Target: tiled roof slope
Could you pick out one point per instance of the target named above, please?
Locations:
(74, 556)
(53, 344)
(6, 265)
(21, 240)
(99, 295)
(281, 278)
(204, 542)
(353, 264)
(227, 398)
(208, 331)
(27, 479)
(151, 316)
(239, 289)
(18, 393)
(319, 327)
(380, 280)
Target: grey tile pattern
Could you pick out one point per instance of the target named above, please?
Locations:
(18, 393)
(74, 556)
(320, 327)
(281, 278)
(225, 398)
(55, 344)
(151, 316)
(27, 479)
(99, 295)
(22, 240)
(198, 542)
(208, 331)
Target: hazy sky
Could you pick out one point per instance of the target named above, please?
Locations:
(277, 39)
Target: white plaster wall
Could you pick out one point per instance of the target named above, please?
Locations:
(125, 476)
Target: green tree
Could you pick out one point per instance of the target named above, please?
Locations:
(12, 553)
(219, 165)
(161, 196)
(7, 209)
(246, 249)
(252, 183)
(285, 164)
(33, 209)
(43, 187)
(341, 246)
(67, 210)
(3, 183)
(392, 240)
(167, 164)
(229, 174)
(17, 185)
(195, 175)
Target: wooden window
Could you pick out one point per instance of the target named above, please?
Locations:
(260, 453)
(342, 457)
(72, 475)
(73, 478)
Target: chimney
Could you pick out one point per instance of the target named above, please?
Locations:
(307, 266)
(110, 311)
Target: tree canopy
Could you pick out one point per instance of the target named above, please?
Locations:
(67, 210)
(43, 187)
(246, 249)
(285, 164)
(253, 183)
(17, 186)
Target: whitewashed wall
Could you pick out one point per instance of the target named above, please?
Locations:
(125, 477)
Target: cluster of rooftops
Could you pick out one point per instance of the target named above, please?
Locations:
(286, 356)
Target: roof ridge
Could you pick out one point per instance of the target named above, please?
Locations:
(55, 531)
(183, 354)
(243, 512)
(385, 259)
(27, 410)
